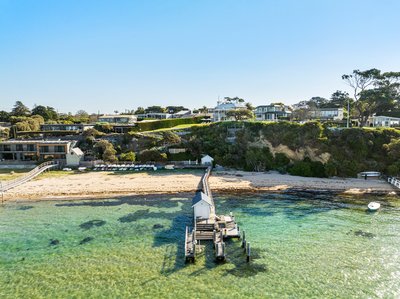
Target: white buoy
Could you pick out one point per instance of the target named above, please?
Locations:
(374, 206)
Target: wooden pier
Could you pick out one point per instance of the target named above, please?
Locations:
(208, 225)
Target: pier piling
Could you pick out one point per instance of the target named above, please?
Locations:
(248, 252)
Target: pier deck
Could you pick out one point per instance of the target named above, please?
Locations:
(214, 227)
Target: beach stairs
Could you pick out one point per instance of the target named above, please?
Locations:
(29, 176)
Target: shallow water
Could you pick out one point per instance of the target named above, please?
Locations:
(303, 246)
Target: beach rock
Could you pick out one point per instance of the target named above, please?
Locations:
(364, 234)
(156, 226)
(54, 242)
(92, 223)
(24, 208)
(86, 240)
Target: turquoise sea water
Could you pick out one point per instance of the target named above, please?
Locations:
(304, 246)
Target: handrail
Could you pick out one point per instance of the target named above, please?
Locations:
(394, 181)
(30, 175)
(206, 187)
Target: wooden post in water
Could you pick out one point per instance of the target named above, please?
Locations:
(244, 239)
(248, 253)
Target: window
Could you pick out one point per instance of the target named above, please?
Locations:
(44, 149)
(19, 148)
(59, 148)
(31, 148)
(7, 148)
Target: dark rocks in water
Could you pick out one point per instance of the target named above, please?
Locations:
(86, 240)
(24, 208)
(239, 175)
(54, 242)
(92, 223)
(155, 226)
(364, 234)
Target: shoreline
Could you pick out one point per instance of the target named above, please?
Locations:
(102, 185)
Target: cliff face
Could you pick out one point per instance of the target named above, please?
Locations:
(308, 149)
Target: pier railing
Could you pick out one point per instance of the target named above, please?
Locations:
(394, 181)
(27, 177)
(206, 187)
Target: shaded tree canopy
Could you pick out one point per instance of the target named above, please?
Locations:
(140, 110)
(106, 151)
(4, 116)
(240, 114)
(152, 155)
(175, 109)
(234, 99)
(20, 109)
(339, 99)
(48, 113)
(373, 92)
(155, 109)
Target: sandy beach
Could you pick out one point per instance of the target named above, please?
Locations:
(108, 184)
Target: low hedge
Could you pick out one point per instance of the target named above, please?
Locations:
(165, 123)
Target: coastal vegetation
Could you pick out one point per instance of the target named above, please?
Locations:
(308, 149)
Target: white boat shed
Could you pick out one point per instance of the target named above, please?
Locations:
(207, 160)
(201, 205)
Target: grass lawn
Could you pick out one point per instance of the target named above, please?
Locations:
(11, 174)
(176, 128)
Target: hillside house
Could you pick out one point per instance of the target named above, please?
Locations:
(37, 150)
(272, 112)
(118, 119)
(220, 111)
(334, 114)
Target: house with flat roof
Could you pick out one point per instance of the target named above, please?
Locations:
(327, 113)
(272, 112)
(384, 121)
(118, 119)
(78, 128)
(182, 113)
(37, 150)
(154, 116)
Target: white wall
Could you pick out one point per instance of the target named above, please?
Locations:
(202, 209)
(73, 159)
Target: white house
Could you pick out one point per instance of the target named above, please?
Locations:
(219, 113)
(207, 160)
(202, 205)
(118, 119)
(328, 113)
(385, 121)
(74, 157)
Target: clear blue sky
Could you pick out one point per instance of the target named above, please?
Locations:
(115, 55)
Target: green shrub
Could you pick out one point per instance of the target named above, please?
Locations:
(129, 156)
(301, 168)
(259, 159)
(281, 160)
(152, 155)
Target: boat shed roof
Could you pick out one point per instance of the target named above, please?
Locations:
(200, 196)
